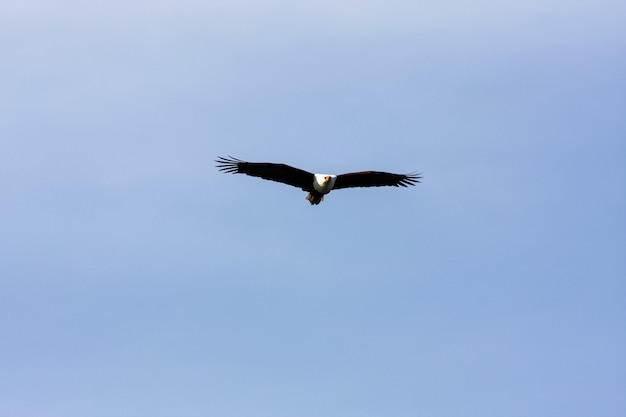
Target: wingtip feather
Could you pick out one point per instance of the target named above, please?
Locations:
(228, 165)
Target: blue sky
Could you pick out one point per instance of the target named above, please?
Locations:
(137, 280)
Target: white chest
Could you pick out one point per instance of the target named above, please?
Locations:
(323, 183)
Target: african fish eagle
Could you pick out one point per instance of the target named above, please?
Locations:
(316, 184)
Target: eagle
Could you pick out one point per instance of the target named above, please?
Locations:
(317, 185)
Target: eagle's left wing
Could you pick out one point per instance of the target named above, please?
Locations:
(375, 179)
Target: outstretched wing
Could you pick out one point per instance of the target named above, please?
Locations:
(268, 171)
(375, 179)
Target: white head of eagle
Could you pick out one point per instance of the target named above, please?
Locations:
(316, 184)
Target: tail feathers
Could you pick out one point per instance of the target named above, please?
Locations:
(315, 199)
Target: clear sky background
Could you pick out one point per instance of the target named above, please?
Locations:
(137, 280)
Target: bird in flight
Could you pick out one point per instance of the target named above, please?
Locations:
(317, 185)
